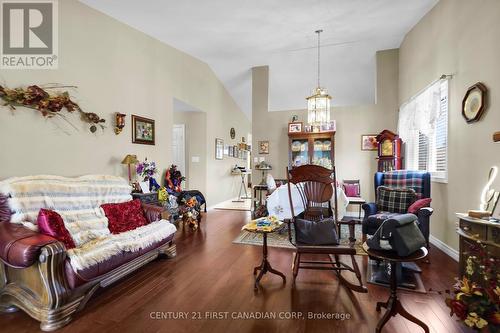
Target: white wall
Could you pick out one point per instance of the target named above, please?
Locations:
(116, 68)
(352, 122)
(457, 37)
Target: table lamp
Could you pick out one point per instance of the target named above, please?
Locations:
(129, 160)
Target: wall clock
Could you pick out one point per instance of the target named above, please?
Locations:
(232, 132)
(474, 102)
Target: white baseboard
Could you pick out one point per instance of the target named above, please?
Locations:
(444, 247)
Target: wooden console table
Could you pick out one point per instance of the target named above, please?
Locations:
(471, 230)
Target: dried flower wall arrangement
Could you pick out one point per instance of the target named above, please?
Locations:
(49, 105)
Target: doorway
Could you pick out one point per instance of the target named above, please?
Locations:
(179, 147)
(189, 148)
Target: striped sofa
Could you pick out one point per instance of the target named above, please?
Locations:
(46, 280)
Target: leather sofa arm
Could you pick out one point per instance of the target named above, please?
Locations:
(370, 208)
(20, 246)
(152, 212)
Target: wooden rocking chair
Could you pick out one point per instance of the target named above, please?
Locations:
(316, 186)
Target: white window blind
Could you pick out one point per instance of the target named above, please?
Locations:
(423, 127)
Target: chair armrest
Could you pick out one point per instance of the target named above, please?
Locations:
(20, 246)
(425, 212)
(152, 212)
(370, 208)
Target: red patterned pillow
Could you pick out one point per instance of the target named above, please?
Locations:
(50, 223)
(421, 203)
(124, 216)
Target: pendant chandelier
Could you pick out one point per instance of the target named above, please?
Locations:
(318, 104)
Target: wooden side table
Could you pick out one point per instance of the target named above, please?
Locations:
(264, 266)
(393, 305)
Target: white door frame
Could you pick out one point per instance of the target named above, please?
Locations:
(179, 148)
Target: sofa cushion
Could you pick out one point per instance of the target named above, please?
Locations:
(417, 205)
(124, 216)
(76, 278)
(51, 224)
(395, 200)
(19, 246)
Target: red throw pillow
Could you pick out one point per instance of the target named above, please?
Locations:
(50, 223)
(351, 190)
(124, 216)
(417, 205)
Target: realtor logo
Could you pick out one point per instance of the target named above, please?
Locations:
(29, 34)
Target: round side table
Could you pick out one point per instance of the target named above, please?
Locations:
(393, 305)
(265, 266)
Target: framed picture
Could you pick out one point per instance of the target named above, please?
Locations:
(328, 127)
(219, 149)
(143, 130)
(369, 142)
(263, 147)
(294, 127)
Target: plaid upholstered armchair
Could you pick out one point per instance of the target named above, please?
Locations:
(398, 192)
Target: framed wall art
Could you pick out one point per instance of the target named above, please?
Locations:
(295, 127)
(143, 130)
(369, 142)
(263, 147)
(219, 149)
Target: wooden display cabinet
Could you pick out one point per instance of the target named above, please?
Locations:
(316, 148)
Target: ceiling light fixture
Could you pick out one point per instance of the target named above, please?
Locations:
(318, 104)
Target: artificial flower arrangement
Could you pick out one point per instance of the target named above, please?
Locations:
(174, 179)
(147, 170)
(49, 105)
(475, 298)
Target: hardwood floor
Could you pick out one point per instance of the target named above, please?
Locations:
(211, 274)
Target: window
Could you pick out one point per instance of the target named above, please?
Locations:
(423, 127)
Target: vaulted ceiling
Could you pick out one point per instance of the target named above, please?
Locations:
(232, 36)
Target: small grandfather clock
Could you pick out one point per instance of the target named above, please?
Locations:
(389, 151)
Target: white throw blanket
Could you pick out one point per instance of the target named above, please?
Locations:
(78, 201)
(278, 203)
(104, 248)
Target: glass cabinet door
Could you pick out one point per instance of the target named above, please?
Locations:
(322, 153)
(300, 152)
